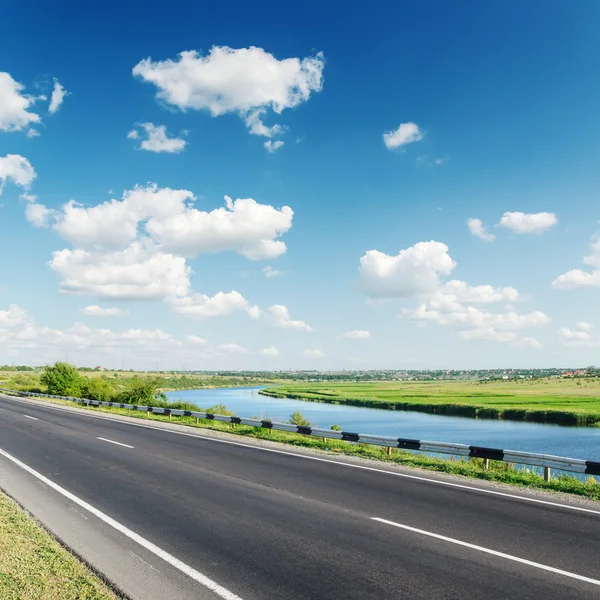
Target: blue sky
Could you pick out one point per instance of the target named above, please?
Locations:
(491, 114)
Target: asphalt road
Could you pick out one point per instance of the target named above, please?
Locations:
(276, 524)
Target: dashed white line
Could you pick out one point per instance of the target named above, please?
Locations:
(32, 418)
(113, 442)
(489, 551)
(169, 558)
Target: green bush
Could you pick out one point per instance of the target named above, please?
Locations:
(336, 428)
(142, 392)
(298, 418)
(63, 379)
(98, 389)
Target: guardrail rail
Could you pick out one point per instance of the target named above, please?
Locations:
(547, 461)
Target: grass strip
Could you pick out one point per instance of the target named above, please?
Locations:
(543, 409)
(34, 566)
(498, 471)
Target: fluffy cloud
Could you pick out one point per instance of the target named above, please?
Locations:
(579, 278)
(232, 348)
(405, 134)
(245, 81)
(313, 353)
(200, 306)
(270, 272)
(16, 168)
(38, 214)
(272, 146)
(139, 272)
(578, 336)
(413, 271)
(157, 139)
(521, 223)
(58, 95)
(13, 317)
(194, 339)
(357, 334)
(477, 228)
(14, 105)
(279, 318)
(417, 272)
(99, 311)
(270, 351)
(168, 217)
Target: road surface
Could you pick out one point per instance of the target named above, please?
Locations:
(169, 515)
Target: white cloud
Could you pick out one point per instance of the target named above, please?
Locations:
(357, 334)
(477, 228)
(579, 278)
(254, 312)
(139, 272)
(38, 214)
(270, 351)
(99, 311)
(245, 81)
(232, 348)
(279, 318)
(522, 223)
(406, 133)
(313, 353)
(194, 339)
(168, 217)
(13, 317)
(31, 133)
(157, 139)
(411, 272)
(270, 272)
(200, 306)
(272, 146)
(58, 95)
(16, 168)
(418, 272)
(14, 105)
(578, 336)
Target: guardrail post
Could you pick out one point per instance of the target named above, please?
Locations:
(547, 474)
(148, 414)
(389, 450)
(486, 463)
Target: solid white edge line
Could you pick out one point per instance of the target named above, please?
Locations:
(462, 486)
(169, 558)
(113, 442)
(489, 551)
(32, 418)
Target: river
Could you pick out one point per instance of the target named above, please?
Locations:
(574, 442)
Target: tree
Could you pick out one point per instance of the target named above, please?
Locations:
(62, 379)
(96, 388)
(298, 419)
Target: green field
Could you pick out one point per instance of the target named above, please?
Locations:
(561, 401)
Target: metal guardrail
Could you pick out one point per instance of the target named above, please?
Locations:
(547, 461)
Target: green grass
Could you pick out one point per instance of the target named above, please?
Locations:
(561, 401)
(468, 467)
(34, 566)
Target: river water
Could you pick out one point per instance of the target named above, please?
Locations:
(575, 442)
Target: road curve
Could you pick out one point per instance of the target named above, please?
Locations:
(260, 524)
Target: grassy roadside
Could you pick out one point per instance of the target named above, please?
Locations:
(34, 566)
(562, 402)
(498, 471)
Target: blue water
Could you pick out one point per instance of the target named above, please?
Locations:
(575, 442)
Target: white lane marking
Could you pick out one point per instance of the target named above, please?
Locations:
(113, 442)
(461, 486)
(32, 418)
(489, 551)
(169, 558)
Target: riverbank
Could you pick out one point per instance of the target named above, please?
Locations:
(33, 565)
(496, 471)
(555, 401)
